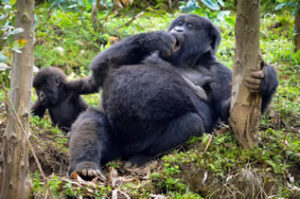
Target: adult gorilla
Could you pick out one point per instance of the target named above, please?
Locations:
(148, 106)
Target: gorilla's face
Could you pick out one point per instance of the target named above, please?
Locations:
(195, 36)
(49, 85)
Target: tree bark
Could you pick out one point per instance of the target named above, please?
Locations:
(297, 30)
(245, 106)
(16, 184)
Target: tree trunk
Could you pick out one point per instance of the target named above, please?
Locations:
(245, 107)
(297, 30)
(16, 184)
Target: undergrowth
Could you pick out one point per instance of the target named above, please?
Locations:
(212, 166)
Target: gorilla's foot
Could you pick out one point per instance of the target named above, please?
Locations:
(139, 160)
(86, 171)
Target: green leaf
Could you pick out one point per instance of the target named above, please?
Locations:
(17, 50)
(221, 2)
(189, 6)
(3, 58)
(223, 14)
(12, 2)
(15, 31)
(279, 6)
(3, 67)
(230, 21)
(212, 5)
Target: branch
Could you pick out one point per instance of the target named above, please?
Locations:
(27, 140)
(134, 18)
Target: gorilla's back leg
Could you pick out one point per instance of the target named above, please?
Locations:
(90, 145)
(177, 132)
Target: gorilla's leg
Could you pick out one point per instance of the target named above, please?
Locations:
(177, 132)
(89, 143)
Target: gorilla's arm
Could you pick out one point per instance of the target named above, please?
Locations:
(38, 109)
(268, 86)
(129, 51)
(265, 83)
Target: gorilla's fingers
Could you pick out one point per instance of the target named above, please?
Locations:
(88, 174)
(83, 172)
(100, 175)
(91, 172)
(253, 81)
(252, 87)
(199, 91)
(205, 80)
(258, 74)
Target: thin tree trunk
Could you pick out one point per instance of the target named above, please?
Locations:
(297, 30)
(245, 107)
(16, 184)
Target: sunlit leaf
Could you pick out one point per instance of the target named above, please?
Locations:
(279, 6)
(230, 21)
(12, 2)
(223, 14)
(15, 31)
(212, 5)
(3, 67)
(21, 43)
(221, 2)
(17, 50)
(189, 6)
(3, 58)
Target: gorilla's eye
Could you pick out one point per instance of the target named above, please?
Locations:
(190, 26)
(180, 23)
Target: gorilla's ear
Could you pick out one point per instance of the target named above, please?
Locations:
(215, 38)
(58, 81)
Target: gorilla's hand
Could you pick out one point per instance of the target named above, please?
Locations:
(264, 81)
(253, 82)
(161, 41)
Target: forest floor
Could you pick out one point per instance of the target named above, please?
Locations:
(211, 166)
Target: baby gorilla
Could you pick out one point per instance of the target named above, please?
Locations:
(64, 106)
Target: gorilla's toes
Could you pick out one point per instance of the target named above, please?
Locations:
(88, 174)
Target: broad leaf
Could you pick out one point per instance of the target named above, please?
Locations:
(212, 5)
(279, 6)
(189, 6)
(15, 31)
(3, 58)
(3, 67)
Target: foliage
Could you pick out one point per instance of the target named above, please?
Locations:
(205, 167)
(208, 8)
(190, 171)
(7, 44)
(288, 4)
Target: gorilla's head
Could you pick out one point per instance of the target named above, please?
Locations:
(49, 84)
(196, 38)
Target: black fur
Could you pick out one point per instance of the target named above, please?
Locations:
(148, 110)
(149, 107)
(64, 106)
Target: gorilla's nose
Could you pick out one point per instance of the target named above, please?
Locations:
(178, 29)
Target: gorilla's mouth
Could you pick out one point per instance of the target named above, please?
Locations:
(177, 45)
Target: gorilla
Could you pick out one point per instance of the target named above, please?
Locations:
(64, 106)
(148, 105)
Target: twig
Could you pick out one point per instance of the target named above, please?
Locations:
(284, 138)
(28, 141)
(209, 141)
(134, 18)
(170, 4)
